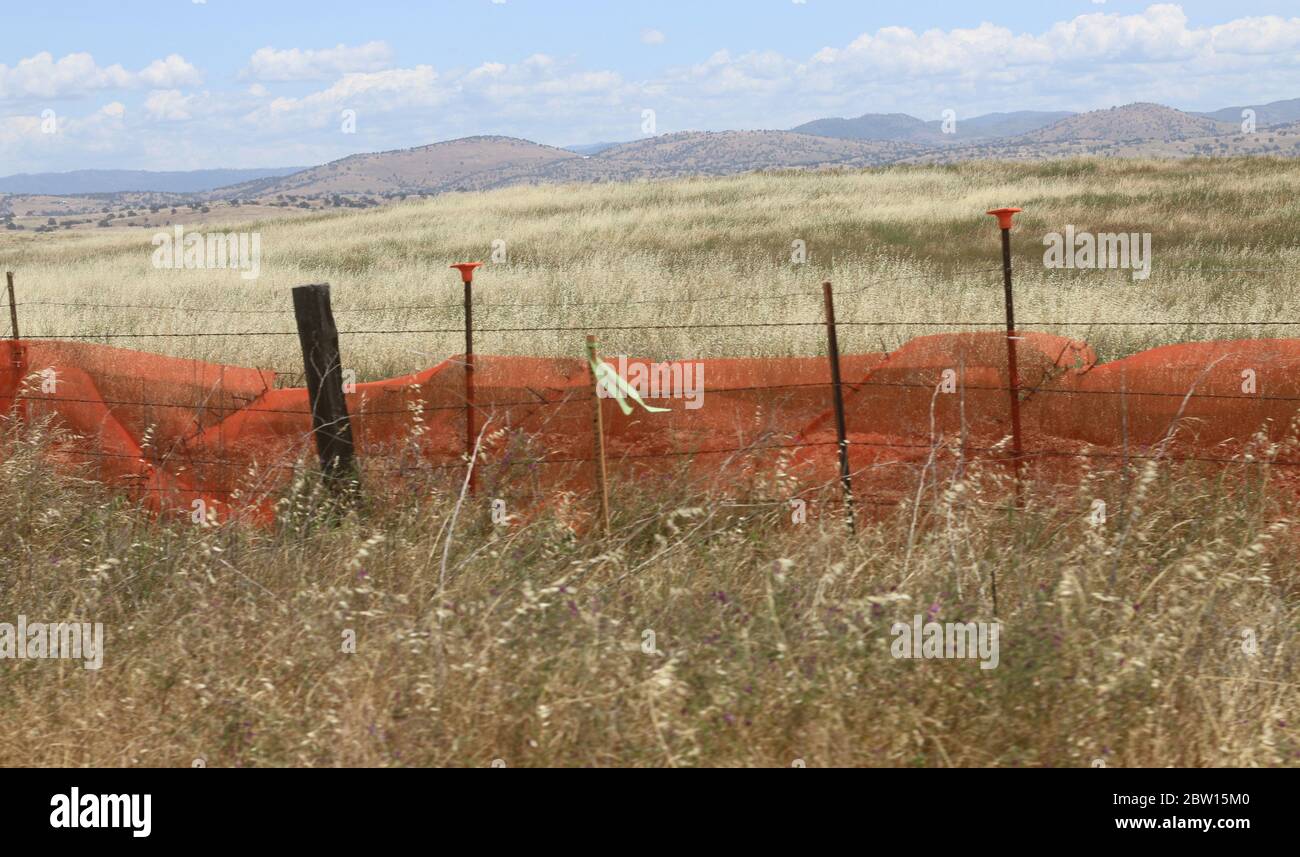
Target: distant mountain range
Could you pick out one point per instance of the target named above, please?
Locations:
(1276, 113)
(124, 181)
(465, 164)
(902, 127)
(1140, 130)
(690, 153)
(481, 163)
(591, 148)
(1131, 122)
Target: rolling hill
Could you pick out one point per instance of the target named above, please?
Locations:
(1141, 121)
(480, 163)
(873, 126)
(1131, 131)
(590, 148)
(1266, 115)
(1007, 124)
(904, 128)
(722, 153)
(452, 165)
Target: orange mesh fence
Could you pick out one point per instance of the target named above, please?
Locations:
(173, 431)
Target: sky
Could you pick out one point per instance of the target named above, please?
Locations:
(199, 84)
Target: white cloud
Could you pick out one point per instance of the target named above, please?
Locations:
(1267, 35)
(539, 86)
(1094, 59)
(377, 92)
(41, 76)
(173, 71)
(1159, 34)
(270, 64)
(168, 105)
(25, 143)
(652, 37)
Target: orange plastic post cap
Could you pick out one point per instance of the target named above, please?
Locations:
(1004, 216)
(466, 270)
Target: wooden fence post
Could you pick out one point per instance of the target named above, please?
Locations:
(17, 357)
(841, 431)
(324, 372)
(598, 422)
(13, 304)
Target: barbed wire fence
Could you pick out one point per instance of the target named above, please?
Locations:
(834, 388)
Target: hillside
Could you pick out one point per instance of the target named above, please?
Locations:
(1273, 113)
(590, 148)
(722, 153)
(482, 163)
(427, 169)
(905, 128)
(1139, 121)
(1007, 124)
(1132, 131)
(873, 126)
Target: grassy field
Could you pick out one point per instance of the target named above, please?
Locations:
(903, 244)
(706, 630)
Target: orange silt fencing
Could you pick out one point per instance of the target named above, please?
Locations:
(172, 432)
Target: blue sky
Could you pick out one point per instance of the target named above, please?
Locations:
(178, 84)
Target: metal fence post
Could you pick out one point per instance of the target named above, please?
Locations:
(1004, 216)
(467, 277)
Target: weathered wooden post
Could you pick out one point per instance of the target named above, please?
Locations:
(13, 304)
(323, 368)
(17, 358)
(841, 431)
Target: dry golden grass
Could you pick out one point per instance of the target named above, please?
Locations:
(901, 244)
(1121, 643)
